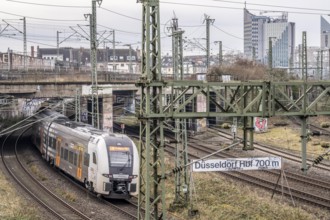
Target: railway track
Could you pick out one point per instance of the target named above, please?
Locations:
(261, 181)
(303, 188)
(319, 191)
(45, 198)
(125, 207)
(271, 150)
(314, 129)
(60, 209)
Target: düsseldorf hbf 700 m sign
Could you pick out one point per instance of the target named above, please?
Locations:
(236, 164)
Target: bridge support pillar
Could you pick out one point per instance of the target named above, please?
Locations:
(106, 116)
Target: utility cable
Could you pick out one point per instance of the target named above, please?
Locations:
(45, 19)
(227, 33)
(123, 15)
(235, 8)
(7, 130)
(129, 32)
(275, 6)
(48, 5)
(49, 45)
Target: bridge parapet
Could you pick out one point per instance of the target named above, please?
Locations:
(70, 76)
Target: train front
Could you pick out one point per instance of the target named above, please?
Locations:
(123, 167)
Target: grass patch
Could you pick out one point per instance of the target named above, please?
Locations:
(288, 138)
(12, 206)
(220, 198)
(34, 169)
(69, 196)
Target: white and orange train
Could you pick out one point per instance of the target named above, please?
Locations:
(107, 163)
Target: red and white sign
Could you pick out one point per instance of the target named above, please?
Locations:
(260, 124)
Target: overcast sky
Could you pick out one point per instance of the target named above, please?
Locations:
(43, 21)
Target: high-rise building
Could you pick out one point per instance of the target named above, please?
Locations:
(325, 33)
(259, 30)
(253, 40)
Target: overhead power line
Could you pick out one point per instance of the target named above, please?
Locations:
(235, 8)
(228, 33)
(275, 6)
(49, 5)
(46, 19)
(117, 13)
(29, 41)
(129, 32)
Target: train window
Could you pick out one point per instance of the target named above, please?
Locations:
(70, 157)
(66, 154)
(94, 158)
(62, 153)
(75, 159)
(52, 142)
(86, 159)
(120, 159)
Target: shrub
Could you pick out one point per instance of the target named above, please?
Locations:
(325, 144)
(225, 126)
(325, 124)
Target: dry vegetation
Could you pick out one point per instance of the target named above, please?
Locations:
(11, 205)
(288, 137)
(69, 196)
(34, 169)
(245, 70)
(219, 198)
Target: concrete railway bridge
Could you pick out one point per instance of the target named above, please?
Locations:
(115, 90)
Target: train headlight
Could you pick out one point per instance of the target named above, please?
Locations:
(132, 176)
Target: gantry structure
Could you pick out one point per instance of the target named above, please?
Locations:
(233, 99)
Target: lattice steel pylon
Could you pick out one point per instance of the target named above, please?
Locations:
(77, 106)
(24, 46)
(304, 118)
(93, 58)
(151, 146)
(181, 154)
(304, 55)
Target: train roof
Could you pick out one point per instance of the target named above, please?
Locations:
(53, 116)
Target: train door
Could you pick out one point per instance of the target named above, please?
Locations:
(92, 169)
(58, 151)
(79, 165)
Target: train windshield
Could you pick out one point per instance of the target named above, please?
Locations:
(120, 156)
